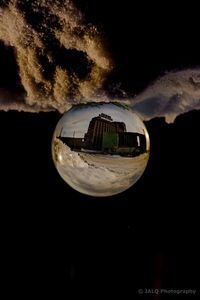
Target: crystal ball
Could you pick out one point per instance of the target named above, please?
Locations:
(100, 149)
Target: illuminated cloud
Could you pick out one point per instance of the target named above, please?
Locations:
(171, 95)
(62, 61)
(60, 28)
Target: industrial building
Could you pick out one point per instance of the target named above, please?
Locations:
(107, 136)
(73, 143)
(97, 127)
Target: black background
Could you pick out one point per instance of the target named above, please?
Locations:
(56, 240)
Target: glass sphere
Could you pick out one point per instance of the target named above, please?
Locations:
(100, 149)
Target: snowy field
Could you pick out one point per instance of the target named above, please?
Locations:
(95, 174)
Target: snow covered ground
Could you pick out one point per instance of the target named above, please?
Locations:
(95, 174)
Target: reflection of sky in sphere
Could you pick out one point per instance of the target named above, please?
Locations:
(77, 119)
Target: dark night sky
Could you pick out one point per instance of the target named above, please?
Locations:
(61, 241)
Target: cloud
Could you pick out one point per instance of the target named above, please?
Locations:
(175, 93)
(43, 42)
(62, 61)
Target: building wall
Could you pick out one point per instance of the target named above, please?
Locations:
(105, 135)
(98, 125)
(73, 143)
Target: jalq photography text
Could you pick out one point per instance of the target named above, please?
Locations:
(167, 291)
